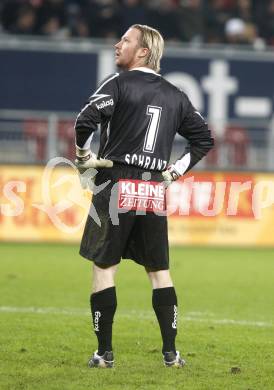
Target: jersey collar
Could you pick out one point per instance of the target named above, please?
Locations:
(144, 69)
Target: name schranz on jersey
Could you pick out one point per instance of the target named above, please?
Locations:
(146, 162)
(105, 103)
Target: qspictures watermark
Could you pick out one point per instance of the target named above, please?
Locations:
(186, 197)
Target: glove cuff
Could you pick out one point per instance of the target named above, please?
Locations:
(173, 172)
(83, 158)
(82, 152)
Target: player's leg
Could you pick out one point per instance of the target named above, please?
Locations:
(103, 304)
(104, 244)
(103, 277)
(148, 245)
(164, 302)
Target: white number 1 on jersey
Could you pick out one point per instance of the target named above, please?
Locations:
(155, 115)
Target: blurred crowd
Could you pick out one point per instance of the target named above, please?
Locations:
(196, 21)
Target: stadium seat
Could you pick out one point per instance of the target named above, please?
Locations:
(236, 140)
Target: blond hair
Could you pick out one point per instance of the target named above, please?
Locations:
(152, 40)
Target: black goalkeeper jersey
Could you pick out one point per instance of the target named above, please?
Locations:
(140, 112)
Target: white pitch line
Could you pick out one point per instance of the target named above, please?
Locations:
(227, 321)
(191, 316)
(42, 310)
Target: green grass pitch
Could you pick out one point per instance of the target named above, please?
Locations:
(226, 304)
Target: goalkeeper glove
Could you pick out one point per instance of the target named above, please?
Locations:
(91, 161)
(170, 175)
(174, 171)
(84, 163)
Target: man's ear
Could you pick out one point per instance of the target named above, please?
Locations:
(143, 52)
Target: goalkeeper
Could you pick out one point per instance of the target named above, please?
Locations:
(139, 113)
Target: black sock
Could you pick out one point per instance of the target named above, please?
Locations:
(164, 302)
(103, 306)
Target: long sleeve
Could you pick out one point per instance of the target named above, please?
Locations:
(196, 131)
(99, 108)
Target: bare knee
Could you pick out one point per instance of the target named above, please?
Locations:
(103, 277)
(160, 279)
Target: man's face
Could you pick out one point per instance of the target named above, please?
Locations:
(128, 52)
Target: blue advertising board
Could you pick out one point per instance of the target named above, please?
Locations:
(40, 80)
(221, 86)
(225, 88)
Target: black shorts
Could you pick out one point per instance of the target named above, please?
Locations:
(127, 235)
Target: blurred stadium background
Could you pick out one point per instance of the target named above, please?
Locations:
(53, 54)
